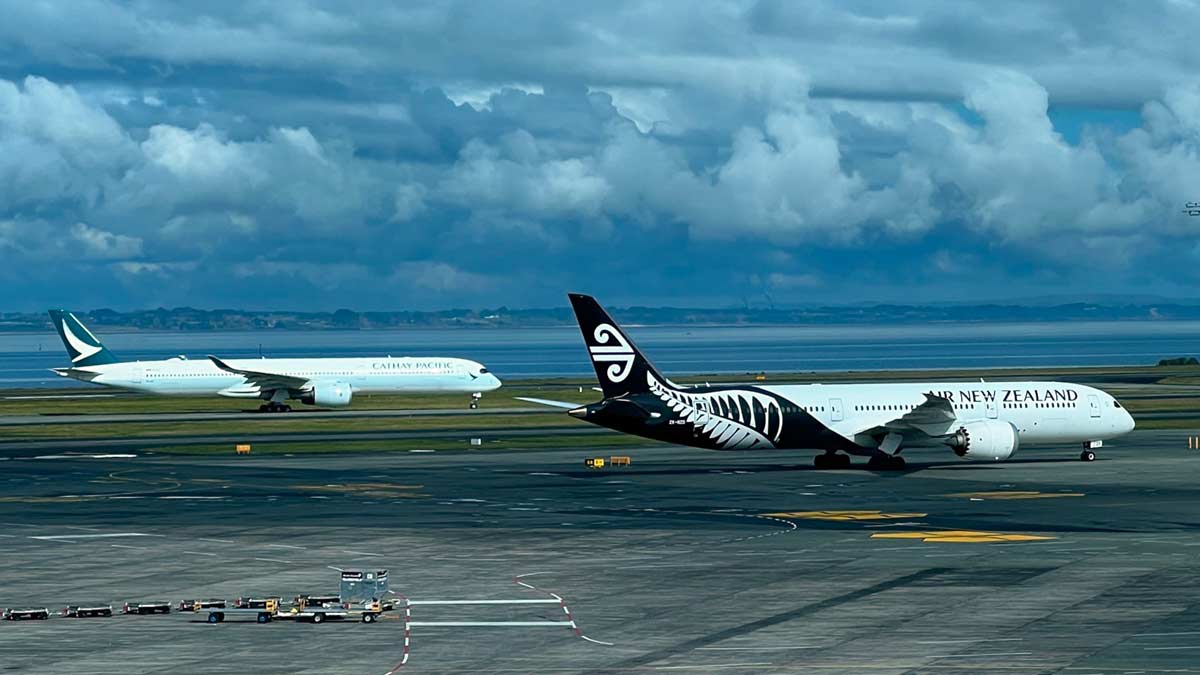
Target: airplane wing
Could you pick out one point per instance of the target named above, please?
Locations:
(932, 418)
(264, 381)
(553, 404)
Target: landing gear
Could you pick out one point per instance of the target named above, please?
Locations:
(1087, 456)
(832, 460)
(274, 407)
(882, 462)
(475, 399)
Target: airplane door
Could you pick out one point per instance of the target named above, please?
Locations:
(701, 417)
(835, 409)
(992, 412)
(1094, 405)
(136, 376)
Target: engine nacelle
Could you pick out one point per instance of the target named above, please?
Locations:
(329, 395)
(986, 440)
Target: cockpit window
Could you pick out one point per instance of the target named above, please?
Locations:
(1115, 404)
(483, 371)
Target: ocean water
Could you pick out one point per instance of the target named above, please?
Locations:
(527, 352)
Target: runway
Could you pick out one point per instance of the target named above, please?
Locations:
(298, 414)
(687, 561)
(25, 448)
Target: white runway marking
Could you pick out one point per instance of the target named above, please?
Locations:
(1187, 632)
(361, 553)
(714, 667)
(219, 541)
(288, 562)
(1163, 649)
(756, 649)
(970, 640)
(976, 656)
(299, 548)
(56, 537)
(547, 624)
(140, 548)
(523, 601)
(200, 553)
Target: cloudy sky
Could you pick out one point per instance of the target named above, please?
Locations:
(382, 155)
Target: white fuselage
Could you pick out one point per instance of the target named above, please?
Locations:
(1041, 412)
(364, 375)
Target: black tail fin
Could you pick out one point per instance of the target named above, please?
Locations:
(620, 367)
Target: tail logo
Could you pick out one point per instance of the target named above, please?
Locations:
(83, 350)
(620, 355)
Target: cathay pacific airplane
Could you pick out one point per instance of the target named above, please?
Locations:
(322, 382)
(975, 420)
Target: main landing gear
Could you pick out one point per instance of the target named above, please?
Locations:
(885, 462)
(475, 399)
(832, 460)
(1088, 456)
(274, 407)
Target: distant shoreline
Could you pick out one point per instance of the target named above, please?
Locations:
(188, 320)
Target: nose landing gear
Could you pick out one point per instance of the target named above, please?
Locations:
(475, 399)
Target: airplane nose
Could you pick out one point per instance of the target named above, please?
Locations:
(1129, 422)
(494, 384)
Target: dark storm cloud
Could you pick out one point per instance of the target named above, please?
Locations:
(462, 153)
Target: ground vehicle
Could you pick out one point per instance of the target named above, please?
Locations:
(256, 603)
(82, 611)
(261, 614)
(305, 601)
(26, 614)
(367, 613)
(197, 605)
(146, 608)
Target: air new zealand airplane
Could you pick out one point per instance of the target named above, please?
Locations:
(975, 420)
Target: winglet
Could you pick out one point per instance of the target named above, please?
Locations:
(223, 366)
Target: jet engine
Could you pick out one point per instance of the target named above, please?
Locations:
(986, 440)
(328, 395)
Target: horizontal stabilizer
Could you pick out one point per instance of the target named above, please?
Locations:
(81, 374)
(545, 401)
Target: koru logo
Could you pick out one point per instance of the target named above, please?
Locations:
(620, 355)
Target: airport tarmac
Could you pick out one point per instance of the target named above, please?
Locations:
(232, 415)
(687, 561)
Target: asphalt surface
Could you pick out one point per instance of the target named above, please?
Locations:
(687, 561)
(299, 413)
(86, 446)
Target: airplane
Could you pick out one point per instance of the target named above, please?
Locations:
(326, 382)
(975, 420)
